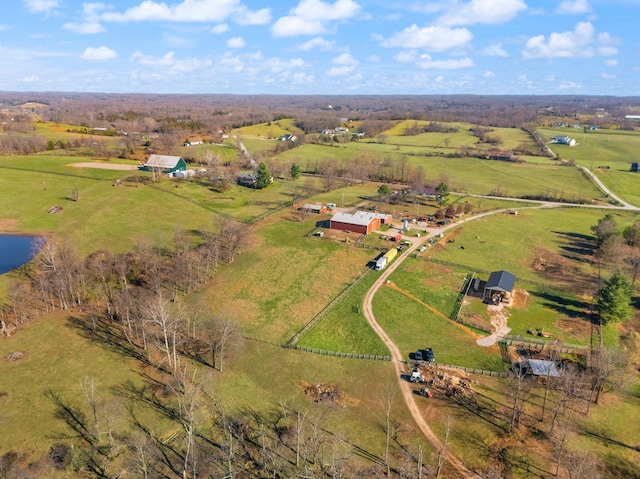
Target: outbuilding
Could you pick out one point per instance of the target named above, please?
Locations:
(316, 209)
(499, 287)
(358, 222)
(165, 164)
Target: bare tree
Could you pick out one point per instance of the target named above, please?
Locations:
(441, 455)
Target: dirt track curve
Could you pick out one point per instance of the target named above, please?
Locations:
(459, 469)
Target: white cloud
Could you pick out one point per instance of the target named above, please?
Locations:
(99, 54)
(188, 11)
(427, 63)
(310, 17)
(607, 75)
(573, 7)
(29, 79)
(317, 42)
(611, 63)
(85, 28)
(4, 27)
(340, 71)
(406, 56)
(346, 64)
(41, 6)
(481, 11)
(220, 28)
(235, 42)
(495, 51)
(489, 74)
(375, 58)
(344, 59)
(567, 44)
(243, 16)
(569, 85)
(434, 38)
(169, 62)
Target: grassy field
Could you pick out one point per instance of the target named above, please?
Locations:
(26, 415)
(295, 278)
(412, 326)
(345, 329)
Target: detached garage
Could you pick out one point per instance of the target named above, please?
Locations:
(359, 222)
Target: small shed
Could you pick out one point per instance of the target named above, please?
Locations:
(165, 164)
(499, 287)
(316, 209)
(540, 367)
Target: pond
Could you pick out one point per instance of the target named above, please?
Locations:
(16, 251)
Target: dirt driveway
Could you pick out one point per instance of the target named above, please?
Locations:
(105, 166)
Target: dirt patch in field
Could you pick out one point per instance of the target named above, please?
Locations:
(574, 326)
(560, 270)
(105, 166)
(520, 299)
(327, 394)
(8, 224)
(15, 356)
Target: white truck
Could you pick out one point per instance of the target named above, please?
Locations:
(381, 263)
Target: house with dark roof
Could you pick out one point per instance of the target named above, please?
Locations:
(499, 287)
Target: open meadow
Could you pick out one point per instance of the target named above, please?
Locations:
(281, 277)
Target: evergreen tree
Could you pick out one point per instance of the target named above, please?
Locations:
(614, 302)
(263, 176)
(296, 171)
(442, 191)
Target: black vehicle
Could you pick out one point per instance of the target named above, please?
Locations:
(424, 355)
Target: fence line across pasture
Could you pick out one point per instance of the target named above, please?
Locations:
(339, 354)
(293, 340)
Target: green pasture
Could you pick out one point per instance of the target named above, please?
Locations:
(201, 153)
(625, 184)
(513, 242)
(105, 217)
(344, 328)
(511, 138)
(261, 378)
(284, 279)
(466, 175)
(616, 149)
(412, 326)
(272, 129)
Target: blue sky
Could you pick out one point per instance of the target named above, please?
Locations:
(589, 47)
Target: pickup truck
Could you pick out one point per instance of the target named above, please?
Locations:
(424, 355)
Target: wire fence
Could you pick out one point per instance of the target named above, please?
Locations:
(323, 352)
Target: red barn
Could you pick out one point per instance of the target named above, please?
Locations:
(364, 223)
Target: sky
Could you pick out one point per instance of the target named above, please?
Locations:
(306, 47)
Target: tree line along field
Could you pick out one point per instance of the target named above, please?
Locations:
(279, 280)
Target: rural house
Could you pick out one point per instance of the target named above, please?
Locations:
(499, 287)
(635, 167)
(563, 140)
(502, 156)
(165, 164)
(360, 222)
